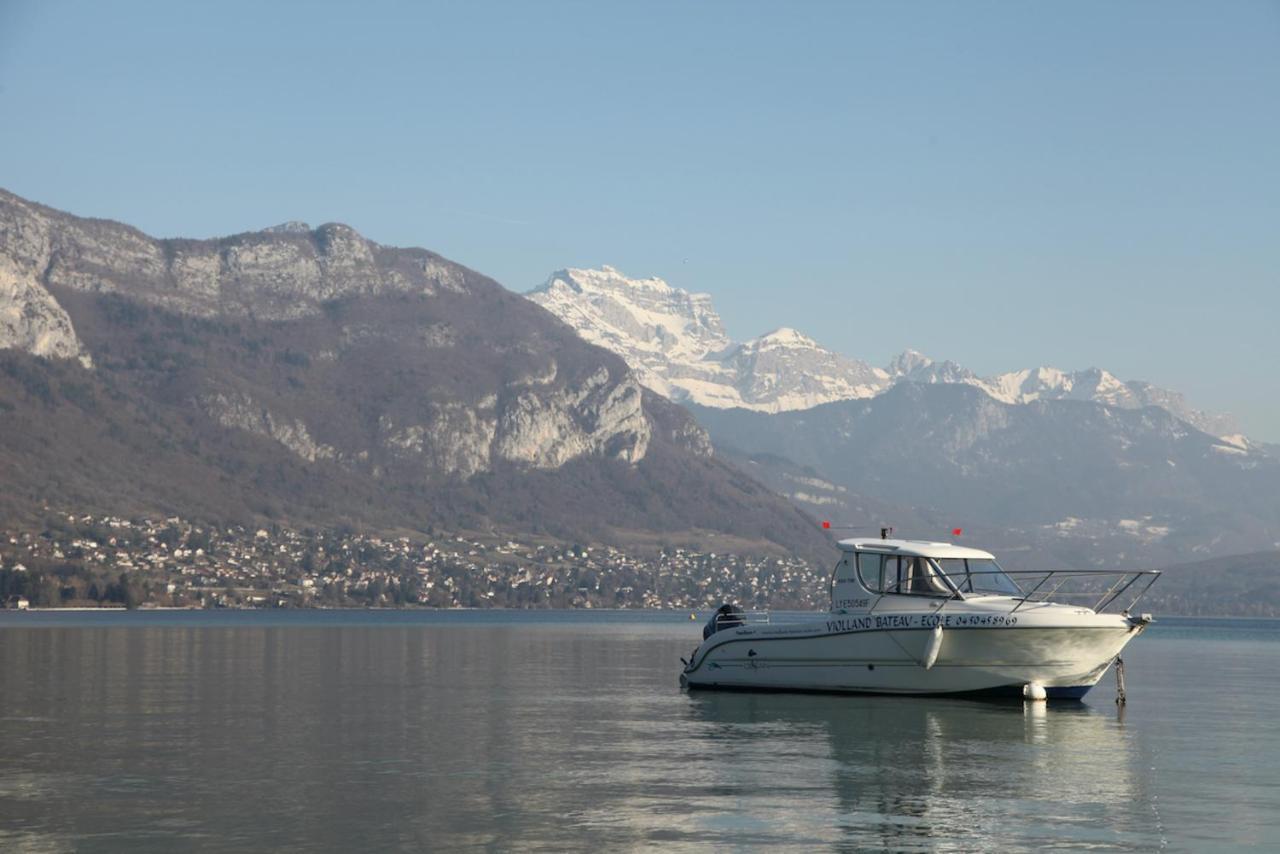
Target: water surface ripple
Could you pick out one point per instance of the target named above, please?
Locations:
(341, 731)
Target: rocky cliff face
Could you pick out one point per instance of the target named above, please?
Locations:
(31, 319)
(315, 373)
(290, 274)
(277, 274)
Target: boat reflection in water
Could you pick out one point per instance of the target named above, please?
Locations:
(909, 772)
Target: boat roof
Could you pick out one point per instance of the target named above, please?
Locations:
(922, 548)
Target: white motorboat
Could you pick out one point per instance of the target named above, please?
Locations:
(915, 617)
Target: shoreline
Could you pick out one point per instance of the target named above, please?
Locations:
(687, 614)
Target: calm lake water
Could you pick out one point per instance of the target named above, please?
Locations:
(345, 731)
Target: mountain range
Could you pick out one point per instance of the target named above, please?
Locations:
(315, 377)
(677, 345)
(311, 376)
(1052, 467)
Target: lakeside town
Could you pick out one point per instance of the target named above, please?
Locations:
(109, 561)
(96, 561)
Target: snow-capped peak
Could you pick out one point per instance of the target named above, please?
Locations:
(914, 366)
(783, 336)
(675, 342)
(605, 279)
(651, 324)
(908, 362)
(1045, 383)
(646, 313)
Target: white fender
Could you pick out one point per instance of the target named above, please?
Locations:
(932, 647)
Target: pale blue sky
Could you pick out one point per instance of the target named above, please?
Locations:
(1004, 184)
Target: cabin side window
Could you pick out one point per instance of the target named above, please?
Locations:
(844, 573)
(872, 569)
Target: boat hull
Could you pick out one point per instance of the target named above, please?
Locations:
(1066, 660)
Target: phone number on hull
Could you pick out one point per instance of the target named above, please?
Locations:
(918, 621)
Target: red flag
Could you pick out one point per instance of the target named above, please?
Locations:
(826, 524)
(955, 532)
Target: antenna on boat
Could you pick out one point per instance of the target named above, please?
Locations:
(827, 526)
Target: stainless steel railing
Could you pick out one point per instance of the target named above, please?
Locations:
(1103, 587)
(729, 621)
(1097, 589)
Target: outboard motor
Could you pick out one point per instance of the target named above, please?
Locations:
(727, 616)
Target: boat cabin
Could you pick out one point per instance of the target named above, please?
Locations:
(871, 568)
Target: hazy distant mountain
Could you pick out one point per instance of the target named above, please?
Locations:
(1242, 585)
(316, 376)
(1092, 384)
(1073, 482)
(677, 345)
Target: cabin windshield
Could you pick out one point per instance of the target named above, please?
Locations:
(978, 576)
